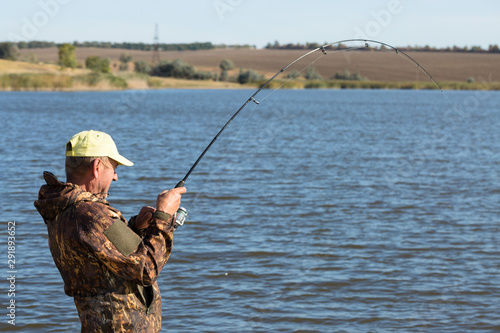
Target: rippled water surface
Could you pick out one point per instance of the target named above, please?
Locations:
(316, 211)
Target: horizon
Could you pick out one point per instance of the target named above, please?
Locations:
(216, 45)
(237, 22)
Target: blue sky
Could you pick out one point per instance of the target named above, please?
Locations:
(437, 23)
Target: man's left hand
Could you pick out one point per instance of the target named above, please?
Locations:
(145, 217)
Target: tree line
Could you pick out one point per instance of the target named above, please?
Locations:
(493, 48)
(125, 46)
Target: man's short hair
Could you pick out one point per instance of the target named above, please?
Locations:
(78, 166)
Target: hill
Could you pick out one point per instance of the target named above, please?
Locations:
(374, 65)
(18, 75)
(16, 67)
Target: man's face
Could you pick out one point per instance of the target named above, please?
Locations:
(106, 176)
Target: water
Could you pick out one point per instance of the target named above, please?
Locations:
(316, 211)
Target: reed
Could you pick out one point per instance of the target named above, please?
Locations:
(154, 83)
(101, 81)
(28, 81)
(48, 81)
(415, 85)
(91, 79)
(366, 84)
(117, 81)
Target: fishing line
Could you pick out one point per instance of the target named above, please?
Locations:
(309, 65)
(324, 50)
(335, 47)
(455, 109)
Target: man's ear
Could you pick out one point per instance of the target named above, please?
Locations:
(96, 167)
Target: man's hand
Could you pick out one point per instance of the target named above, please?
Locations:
(145, 217)
(169, 201)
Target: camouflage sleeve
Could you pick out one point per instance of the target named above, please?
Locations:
(131, 224)
(125, 254)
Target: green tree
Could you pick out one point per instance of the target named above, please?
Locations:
(176, 68)
(225, 65)
(98, 64)
(181, 70)
(493, 48)
(8, 51)
(125, 58)
(142, 67)
(249, 76)
(67, 57)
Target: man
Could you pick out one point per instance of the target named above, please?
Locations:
(109, 266)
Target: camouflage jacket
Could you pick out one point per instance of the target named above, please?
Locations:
(107, 266)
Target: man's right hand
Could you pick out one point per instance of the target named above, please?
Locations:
(169, 201)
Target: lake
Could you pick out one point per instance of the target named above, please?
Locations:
(315, 211)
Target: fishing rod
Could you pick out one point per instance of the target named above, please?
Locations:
(182, 213)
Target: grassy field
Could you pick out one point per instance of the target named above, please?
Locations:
(16, 67)
(18, 75)
(377, 66)
(381, 69)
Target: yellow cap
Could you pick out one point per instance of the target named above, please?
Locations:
(94, 143)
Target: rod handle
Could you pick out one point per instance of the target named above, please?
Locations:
(180, 184)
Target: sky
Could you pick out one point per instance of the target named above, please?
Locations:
(437, 23)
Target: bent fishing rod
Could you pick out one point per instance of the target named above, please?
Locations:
(323, 50)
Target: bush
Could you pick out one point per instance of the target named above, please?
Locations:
(223, 75)
(199, 75)
(348, 76)
(177, 68)
(67, 57)
(226, 65)
(181, 70)
(249, 76)
(142, 67)
(125, 58)
(313, 74)
(8, 51)
(117, 81)
(98, 64)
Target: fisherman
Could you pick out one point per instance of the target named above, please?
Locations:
(109, 266)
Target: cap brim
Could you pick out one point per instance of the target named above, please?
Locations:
(121, 160)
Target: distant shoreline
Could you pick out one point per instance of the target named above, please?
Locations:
(61, 82)
(375, 66)
(382, 72)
